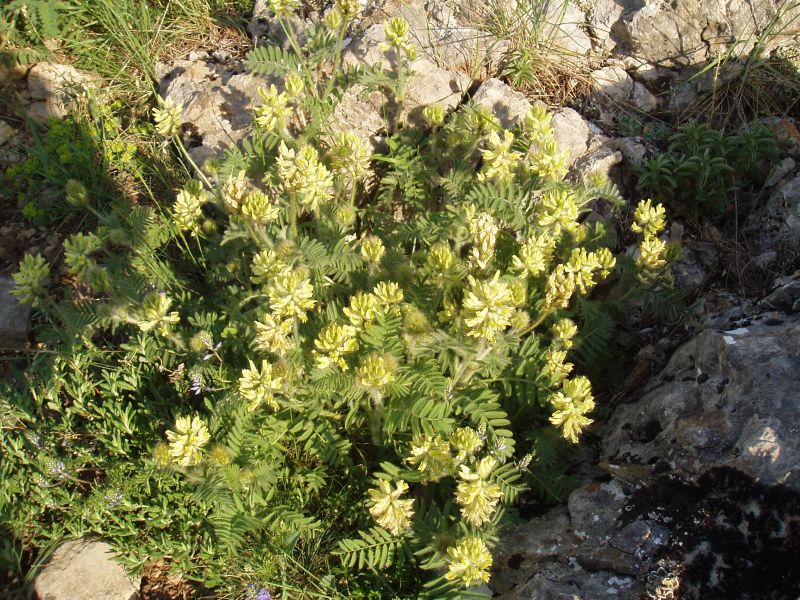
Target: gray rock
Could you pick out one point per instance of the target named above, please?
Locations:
(563, 28)
(217, 102)
(508, 105)
(594, 510)
(614, 87)
(785, 296)
(725, 398)
(781, 170)
(84, 569)
(691, 32)
(264, 26)
(6, 132)
(779, 219)
(602, 18)
(54, 89)
(13, 317)
(601, 161)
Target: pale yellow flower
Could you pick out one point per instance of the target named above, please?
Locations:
(350, 156)
(440, 259)
(273, 334)
(470, 561)
(558, 211)
(478, 497)
(388, 293)
(570, 407)
(488, 306)
(156, 315)
(563, 332)
(432, 456)
(555, 367)
(559, 288)
(535, 254)
(483, 229)
(257, 207)
(372, 249)
(29, 280)
(266, 266)
(188, 207)
(388, 509)
(234, 190)
(649, 219)
(433, 114)
(363, 309)
(536, 124)
(187, 441)
(499, 160)
(258, 386)
(167, 117)
(466, 441)
(550, 162)
(274, 112)
(397, 30)
(302, 173)
(291, 294)
(333, 342)
(375, 371)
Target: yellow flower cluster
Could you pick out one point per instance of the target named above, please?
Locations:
(535, 254)
(555, 368)
(433, 114)
(156, 314)
(483, 229)
(476, 495)
(388, 293)
(265, 267)
(274, 112)
(77, 256)
(302, 173)
(294, 86)
(258, 386)
(372, 249)
(488, 306)
(546, 159)
(284, 8)
(167, 117)
(350, 156)
(375, 371)
(188, 439)
(570, 406)
(188, 207)
(558, 211)
(333, 342)
(291, 294)
(650, 221)
(537, 124)
(577, 274)
(29, 280)
(470, 561)
(234, 190)
(499, 160)
(467, 442)
(563, 332)
(257, 207)
(388, 509)
(432, 456)
(273, 334)
(362, 310)
(397, 30)
(440, 259)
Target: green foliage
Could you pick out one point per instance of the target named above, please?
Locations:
(703, 168)
(26, 24)
(326, 370)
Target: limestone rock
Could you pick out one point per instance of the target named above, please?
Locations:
(563, 28)
(217, 102)
(691, 32)
(613, 86)
(779, 219)
(508, 105)
(13, 317)
(726, 398)
(6, 132)
(84, 569)
(54, 89)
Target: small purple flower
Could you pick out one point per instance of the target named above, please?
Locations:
(197, 386)
(263, 594)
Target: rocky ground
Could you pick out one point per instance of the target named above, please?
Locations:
(693, 490)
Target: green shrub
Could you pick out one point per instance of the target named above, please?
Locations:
(703, 168)
(325, 370)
